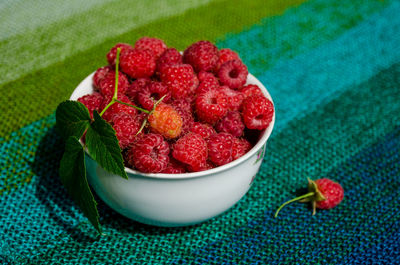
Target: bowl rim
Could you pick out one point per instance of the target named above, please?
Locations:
(134, 173)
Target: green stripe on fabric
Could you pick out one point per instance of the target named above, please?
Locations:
(21, 16)
(57, 40)
(38, 93)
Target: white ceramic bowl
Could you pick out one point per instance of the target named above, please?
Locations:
(176, 199)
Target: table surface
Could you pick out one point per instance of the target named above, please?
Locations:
(333, 70)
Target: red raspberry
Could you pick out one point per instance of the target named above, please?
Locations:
(191, 149)
(126, 128)
(235, 98)
(174, 167)
(166, 121)
(157, 46)
(135, 87)
(149, 153)
(171, 56)
(187, 119)
(250, 90)
(226, 55)
(204, 129)
(332, 191)
(257, 112)
(117, 108)
(100, 74)
(207, 82)
(182, 103)
(107, 84)
(201, 167)
(322, 193)
(92, 102)
(138, 63)
(211, 106)
(233, 74)
(180, 80)
(202, 55)
(240, 147)
(151, 93)
(220, 147)
(231, 123)
(112, 54)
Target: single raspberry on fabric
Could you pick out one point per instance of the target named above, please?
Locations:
(136, 86)
(138, 63)
(207, 81)
(170, 56)
(157, 46)
(107, 84)
(190, 149)
(226, 55)
(112, 54)
(149, 154)
(258, 112)
(240, 147)
(233, 74)
(332, 191)
(174, 167)
(92, 102)
(204, 129)
(250, 90)
(100, 74)
(166, 121)
(117, 108)
(180, 79)
(235, 98)
(152, 92)
(211, 106)
(126, 128)
(322, 193)
(202, 55)
(231, 123)
(220, 147)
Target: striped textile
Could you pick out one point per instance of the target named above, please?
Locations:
(333, 71)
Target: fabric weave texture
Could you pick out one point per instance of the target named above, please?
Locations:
(333, 71)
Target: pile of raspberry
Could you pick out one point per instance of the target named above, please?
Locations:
(207, 117)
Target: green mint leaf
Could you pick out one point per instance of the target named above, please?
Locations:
(73, 177)
(72, 118)
(103, 146)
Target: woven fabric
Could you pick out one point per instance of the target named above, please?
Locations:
(333, 71)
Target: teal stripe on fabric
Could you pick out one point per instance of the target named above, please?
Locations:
(310, 79)
(280, 38)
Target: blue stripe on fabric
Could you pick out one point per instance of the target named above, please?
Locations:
(264, 240)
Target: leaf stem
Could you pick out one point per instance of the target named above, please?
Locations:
(108, 105)
(133, 106)
(116, 73)
(115, 96)
(293, 200)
